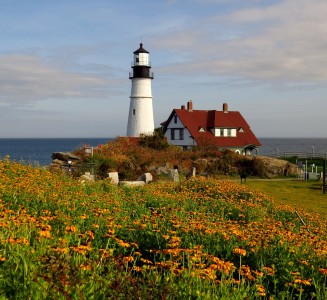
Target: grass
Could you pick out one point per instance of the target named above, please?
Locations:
(296, 193)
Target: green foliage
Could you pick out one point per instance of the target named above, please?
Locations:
(250, 167)
(101, 163)
(156, 141)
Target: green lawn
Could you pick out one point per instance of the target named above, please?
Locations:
(297, 193)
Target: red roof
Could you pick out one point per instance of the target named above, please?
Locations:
(194, 120)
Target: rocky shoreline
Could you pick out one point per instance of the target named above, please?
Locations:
(270, 167)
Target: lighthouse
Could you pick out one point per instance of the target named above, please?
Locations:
(140, 118)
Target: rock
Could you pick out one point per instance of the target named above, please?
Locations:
(131, 183)
(59, 162)
(65, 156)
(87, 177)
(173, 175)
(276, 167)
(114, 177)
(146, 177)
(191, 173)
(162, 170)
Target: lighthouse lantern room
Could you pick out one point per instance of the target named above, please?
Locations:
(140, 118)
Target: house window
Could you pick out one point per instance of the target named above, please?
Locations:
(177, 134)
(175, 119)
(229, 132)
(172, 134)
(221, 132)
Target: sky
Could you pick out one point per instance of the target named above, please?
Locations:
(64, 64)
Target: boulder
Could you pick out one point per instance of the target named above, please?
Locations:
(114, 177)
(192, 173)
(162, 170)
(276, 167)
(146, 177)
(65, 156)
(87, 177)
(173, 175)
(59, 162)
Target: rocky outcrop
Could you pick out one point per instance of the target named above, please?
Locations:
(64, 157)
(276, 167)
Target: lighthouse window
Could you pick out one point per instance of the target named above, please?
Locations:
(133, 111)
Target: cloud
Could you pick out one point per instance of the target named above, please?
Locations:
(25, 79)
(284, 42)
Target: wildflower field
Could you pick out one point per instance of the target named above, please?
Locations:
(200, 239)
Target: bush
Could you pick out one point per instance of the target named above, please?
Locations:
(250, 167)
(102, 164)
(156, 141)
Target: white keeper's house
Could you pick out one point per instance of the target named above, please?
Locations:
(187, 127)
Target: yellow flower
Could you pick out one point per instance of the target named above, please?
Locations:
(85, 267)
(305, 282)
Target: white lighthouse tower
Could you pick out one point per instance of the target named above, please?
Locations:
(140, 118)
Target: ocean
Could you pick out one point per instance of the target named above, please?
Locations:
(278, 146)
(38, 151)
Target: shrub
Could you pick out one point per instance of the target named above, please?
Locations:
(102, 164)
(156, 141)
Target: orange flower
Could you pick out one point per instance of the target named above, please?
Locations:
(45, 233)
(61, 250)
(128, 259)
(146, 261)
(269, 271)
(239, 251)
(71, 229)
(90, 234)
(323, 271)
(82, 248)
(122, 243)
(261, 290)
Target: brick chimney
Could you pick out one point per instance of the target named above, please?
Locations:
(225, 108)
(190, 105)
